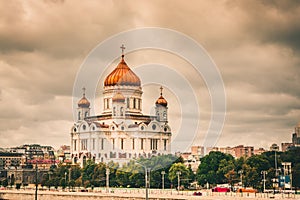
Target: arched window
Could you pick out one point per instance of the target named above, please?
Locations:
(79, 113)
(128, 102)
(122, 111)
(134, 101)
(114, 111)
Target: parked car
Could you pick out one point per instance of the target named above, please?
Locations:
(197, 194)
(220, 189)
(247, 190)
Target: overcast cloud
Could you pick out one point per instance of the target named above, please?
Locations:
(255, 44)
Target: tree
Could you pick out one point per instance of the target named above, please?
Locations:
(213, 168)
(184, 173)
(99, 175)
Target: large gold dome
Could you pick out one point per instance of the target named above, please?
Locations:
(122, 75)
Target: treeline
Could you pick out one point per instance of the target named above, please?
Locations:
(131, 174)
(219, 168)
(215, 168)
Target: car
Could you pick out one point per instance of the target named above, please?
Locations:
(197, 194)
(220, 189)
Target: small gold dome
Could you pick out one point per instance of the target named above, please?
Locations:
(161, 100)
(122, 75)
(83, 102)
(118, 97)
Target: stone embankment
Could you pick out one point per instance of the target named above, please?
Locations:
(136, 195)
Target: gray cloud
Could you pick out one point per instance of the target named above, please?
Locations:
(255, 44)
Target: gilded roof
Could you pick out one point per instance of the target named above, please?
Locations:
(122, 75)
(83, 102)
(161, 101)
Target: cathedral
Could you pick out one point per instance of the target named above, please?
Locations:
(122, 132)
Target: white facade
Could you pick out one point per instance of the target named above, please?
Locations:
(121, 132)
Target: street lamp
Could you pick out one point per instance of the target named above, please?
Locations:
(65, 179)
(264, 178)
(36, 180)
(163, 179)
(178, 179)
(107, 179)
(69, 181)
(146, 178)
(241, 176)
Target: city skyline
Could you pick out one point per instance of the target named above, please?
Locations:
(43, 44)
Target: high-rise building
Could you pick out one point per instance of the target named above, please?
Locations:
(296, 136)
(122, 132)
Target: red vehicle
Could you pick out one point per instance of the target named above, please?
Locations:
(220, 189)
(247, 190)
(197, 194)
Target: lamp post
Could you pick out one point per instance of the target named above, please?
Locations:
(69, 181)
(65, 179)
(107, 179)
(264, 179)
(163, 179)
(146, 178)
(36, 180)
(178, 179)
(241, 176)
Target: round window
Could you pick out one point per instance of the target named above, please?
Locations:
(153, 126)
(84, 127)
(165, 129)
(75, 129)
(122, 128)
(142, 128)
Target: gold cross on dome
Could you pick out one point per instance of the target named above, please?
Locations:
(83, 89)
(123, 48)
(161, 89)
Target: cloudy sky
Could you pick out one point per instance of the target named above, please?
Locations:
(255, 45)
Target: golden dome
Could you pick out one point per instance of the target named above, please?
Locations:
(161, 100)
(83, 102)
(122, 75)
(118, 97)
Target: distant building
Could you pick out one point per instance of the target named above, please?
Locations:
(259, 151)
(286, 145)
(64, 154)
(296, 136)
(10, 160)
(227, 150)
(198, 151)
(35, 153)
(243, 151)
(209, 149)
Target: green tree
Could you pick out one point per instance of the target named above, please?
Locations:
(213, 168)
(99, 175)
(113, 167)
(184, 173)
